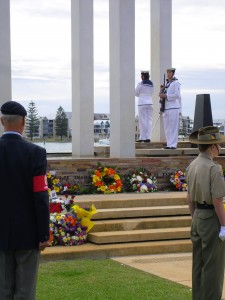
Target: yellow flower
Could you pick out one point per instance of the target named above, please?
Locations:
(57, 189)
(116, 177)
(55, 181)
(49, 175)
(95, 178)
(103, 188)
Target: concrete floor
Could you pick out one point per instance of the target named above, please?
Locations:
(175, 267)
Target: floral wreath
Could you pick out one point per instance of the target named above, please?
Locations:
(179, 181)
(106, 180)
(54, 185)
(140, 181)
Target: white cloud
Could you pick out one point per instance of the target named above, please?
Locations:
(41, 51)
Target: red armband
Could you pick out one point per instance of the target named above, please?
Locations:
(40, 183)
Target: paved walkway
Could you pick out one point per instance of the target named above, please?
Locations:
(175, 267)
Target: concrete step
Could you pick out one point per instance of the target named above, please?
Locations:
(139, 235)
(90, 250)
(104, 201)
(141, 223)
(170, 152)
(137, 212)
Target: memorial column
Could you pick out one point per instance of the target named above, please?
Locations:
(122, 77)
(82, 78)
(161, 54)
(5, 54)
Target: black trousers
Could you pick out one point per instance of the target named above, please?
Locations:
(18, 274)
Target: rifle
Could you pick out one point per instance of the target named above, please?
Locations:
(162, 100)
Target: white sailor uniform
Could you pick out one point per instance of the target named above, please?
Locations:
(144, 91)
(171, 112)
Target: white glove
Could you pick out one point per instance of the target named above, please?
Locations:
(222, 233)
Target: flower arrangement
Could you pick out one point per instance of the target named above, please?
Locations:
(140, 181)
(71, 189)
(178, 180)
(71, 228)
(57, 187)
(55, 207)
(54, 185)
(69, 202)
(69, 223)
(106, 180)
(66, 230)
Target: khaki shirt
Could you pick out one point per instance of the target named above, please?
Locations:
(205, 180)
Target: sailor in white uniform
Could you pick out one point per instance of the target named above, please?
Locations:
(144, 91)
(172, 110)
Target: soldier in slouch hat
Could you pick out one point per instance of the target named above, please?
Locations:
(206, 189)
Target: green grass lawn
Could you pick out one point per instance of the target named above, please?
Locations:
(103, 279)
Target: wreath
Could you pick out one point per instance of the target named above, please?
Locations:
(140, 181)
(106, 180)
(179, 181)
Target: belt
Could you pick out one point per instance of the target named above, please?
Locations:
(205, 206)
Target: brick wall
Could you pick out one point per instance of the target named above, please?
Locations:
(77, 170)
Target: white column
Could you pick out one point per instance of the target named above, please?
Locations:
(5, 53)
(161, 54)
(82, 78)
(122, 81)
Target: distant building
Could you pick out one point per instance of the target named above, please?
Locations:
(185, 126)
(101, 126)
(46, 128)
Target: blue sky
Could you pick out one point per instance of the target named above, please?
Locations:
(41, 52)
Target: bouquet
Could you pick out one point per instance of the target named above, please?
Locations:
(140, 181)
(70, 228)
(54, 185)
(106, 180)
(67, 230)
(178, 180)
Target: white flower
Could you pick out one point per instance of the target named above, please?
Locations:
(64, 239)
(149, 181)
(67, 201)
(58, 200)
(52, 218)
(143, 188)
(139, 178)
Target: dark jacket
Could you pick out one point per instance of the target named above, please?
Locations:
(24, 213)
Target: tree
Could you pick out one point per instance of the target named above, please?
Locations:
(61, 123)
(32, 121)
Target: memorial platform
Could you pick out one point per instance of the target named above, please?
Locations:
(132, 224)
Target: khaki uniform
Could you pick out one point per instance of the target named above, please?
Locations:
(205, 183)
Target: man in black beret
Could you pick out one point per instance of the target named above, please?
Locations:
(13, 108)
(25, 206)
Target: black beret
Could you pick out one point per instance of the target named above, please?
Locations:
(13, 108)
